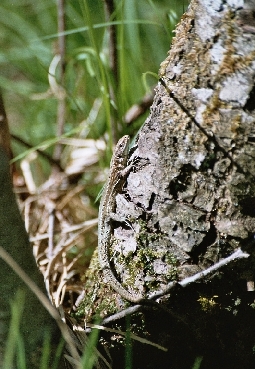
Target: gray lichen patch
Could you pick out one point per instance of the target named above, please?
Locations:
(138, 261)
(236, 88)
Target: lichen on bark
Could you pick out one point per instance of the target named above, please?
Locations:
(189, 200)
(192, 180)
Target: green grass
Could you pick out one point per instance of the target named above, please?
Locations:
(14, 343)
(28, 44)
(198, 362)
(14, 353)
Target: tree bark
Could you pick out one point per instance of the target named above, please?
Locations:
(36, 321)
(189, 200)
(193, 183)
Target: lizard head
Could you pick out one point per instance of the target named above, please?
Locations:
(122, 147)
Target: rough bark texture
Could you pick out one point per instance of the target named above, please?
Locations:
(194, 186)
(190, 199)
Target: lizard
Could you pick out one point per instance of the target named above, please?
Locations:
(116, 179)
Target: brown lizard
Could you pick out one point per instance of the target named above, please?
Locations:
(116, 179)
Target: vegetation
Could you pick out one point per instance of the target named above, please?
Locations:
(30, 51)
(77, 83)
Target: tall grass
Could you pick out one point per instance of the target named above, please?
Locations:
(14, 341)
(28, 45)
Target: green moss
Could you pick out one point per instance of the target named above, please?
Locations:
(99, 299)
(208, 304)
(145, 257)
(145, 236)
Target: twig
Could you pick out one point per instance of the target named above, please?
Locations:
(149, 303)
(113, 55)
(84, 227)
(132, 335)
(51, 231)
(238, 254)
(122, 314)
(61, 51)
(113, 58)
(42, 153)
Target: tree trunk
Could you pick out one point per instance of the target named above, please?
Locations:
(190, 199)
(35, 320)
